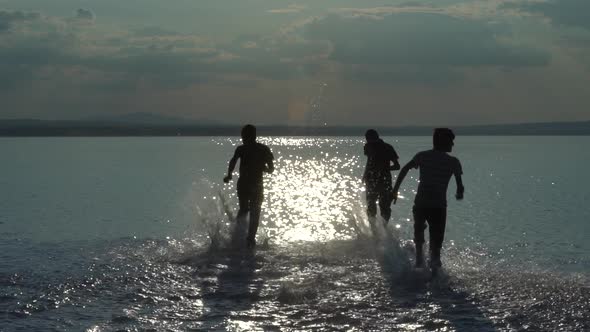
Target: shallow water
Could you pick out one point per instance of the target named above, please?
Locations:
(137, 234)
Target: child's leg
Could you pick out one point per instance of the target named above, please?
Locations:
(419, 226)
(255, 209)
(371, 197)
(253, 227)
(437, 220)
(244, 203)
(385, 199)
(243, 211)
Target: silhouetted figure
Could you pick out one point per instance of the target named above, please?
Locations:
(377, 176)
(430, 205)
(255, 158)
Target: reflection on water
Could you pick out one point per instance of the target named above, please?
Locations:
(358, 284)
(308, 197)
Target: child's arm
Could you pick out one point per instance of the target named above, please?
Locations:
(366, 165)
(232, 165)
(365, 171)
(460, 188)
(458, 172)
(270, 167)
(394, 158)
(400, 178)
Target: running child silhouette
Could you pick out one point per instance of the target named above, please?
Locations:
(430, 205)
(255, 159)
(377, 175)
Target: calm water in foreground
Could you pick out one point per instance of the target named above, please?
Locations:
(134, 234)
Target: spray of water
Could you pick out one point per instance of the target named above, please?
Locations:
(316, 117)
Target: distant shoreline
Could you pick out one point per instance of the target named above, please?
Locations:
(39, 128)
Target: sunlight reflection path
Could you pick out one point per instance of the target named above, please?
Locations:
(310, 196)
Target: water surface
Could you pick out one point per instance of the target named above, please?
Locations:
(102, 234)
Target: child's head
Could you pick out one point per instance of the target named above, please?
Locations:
(442, 139)
(371, 135)
(248, 134)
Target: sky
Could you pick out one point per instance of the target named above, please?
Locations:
(309, 62)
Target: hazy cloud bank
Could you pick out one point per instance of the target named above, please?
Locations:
(477, 56)
(573, 13)
(422, 46)
(9, 18)
(420, 39)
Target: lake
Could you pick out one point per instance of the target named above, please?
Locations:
(105, 234)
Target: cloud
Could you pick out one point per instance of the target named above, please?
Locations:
(152, 56)
(376, 45)
(153, 31)
(403, 75)
(291, 9)
(84, 14)
(63, 44)
(572, 13)
(277, 57)
(282, 47)
(413, 4)
(429, 39)
(381, 12)
(9, 18)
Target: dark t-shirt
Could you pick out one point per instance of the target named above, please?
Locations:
(379, 157)
(436, 169)
(253, 160)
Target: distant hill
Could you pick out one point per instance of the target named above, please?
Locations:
(146, 124)
(549, 128)
(146, 118)
(519, 129)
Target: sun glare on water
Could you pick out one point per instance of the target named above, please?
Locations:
(311, 194)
